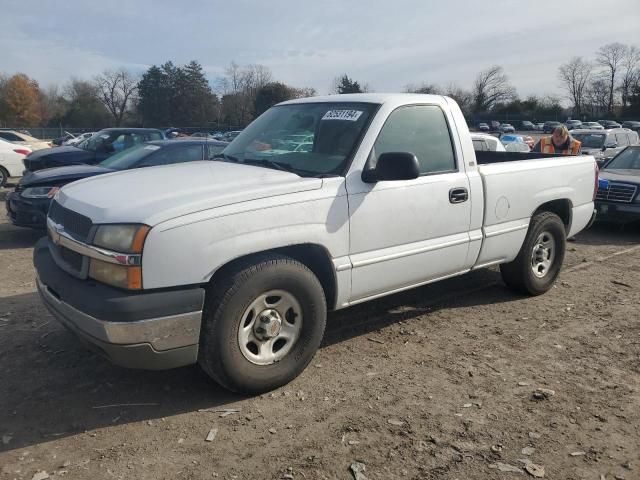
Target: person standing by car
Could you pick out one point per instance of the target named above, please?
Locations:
(559, 142)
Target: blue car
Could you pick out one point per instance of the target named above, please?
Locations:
(29, 203)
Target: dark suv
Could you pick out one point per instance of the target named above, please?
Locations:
(92, 150)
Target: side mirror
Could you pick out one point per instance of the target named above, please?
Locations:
(393, 166)
(610, 145)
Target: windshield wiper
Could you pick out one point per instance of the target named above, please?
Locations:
(285, 167)
(225, 157)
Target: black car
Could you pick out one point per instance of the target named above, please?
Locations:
(549, 127)
(93, 150)
(618, 197)
(631, 125)
(29, 203)
(607, 124)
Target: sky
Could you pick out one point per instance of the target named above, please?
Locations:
(384, 44)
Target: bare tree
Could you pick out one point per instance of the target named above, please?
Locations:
(597, 96)
(463, 97)
(116, 89)
(239, 88)
(490, 87)
(424, 87)
(575, 77)
(630, 74)
(610, 57)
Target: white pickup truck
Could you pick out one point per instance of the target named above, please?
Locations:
(320, 204)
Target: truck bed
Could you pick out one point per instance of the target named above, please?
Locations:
(484, 157)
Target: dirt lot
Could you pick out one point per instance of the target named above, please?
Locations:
(435, 383)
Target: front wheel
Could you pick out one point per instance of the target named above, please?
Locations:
(4, 176)
(262, 324)
(538, 264)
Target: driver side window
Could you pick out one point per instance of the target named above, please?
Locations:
(423, 131)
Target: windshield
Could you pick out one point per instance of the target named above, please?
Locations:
(129, 158)
(93, 143)
(590, 140)
(309, 139)
(628, 159)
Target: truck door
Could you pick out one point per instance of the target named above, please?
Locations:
(405, 233)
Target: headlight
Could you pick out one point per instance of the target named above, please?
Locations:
(121, 238)
(117, 275)
(40, 192)
(128, 238)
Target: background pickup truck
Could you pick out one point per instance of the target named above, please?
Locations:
(319, 204)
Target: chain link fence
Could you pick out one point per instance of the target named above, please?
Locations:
(50, 133)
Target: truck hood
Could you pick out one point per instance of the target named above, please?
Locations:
(56, 176)
(620, 175)
(154, 195)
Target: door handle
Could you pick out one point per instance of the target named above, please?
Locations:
(458, 195)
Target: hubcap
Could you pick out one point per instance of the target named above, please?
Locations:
(543, 254)
(270, 327)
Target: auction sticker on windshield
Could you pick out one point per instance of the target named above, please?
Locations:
(349, 115)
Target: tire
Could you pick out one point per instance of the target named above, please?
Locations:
(538, 264)
(233, 350)
(4, 176)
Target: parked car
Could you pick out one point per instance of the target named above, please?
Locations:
(11, 156)
(486, 143)
(539, 126)
(549, 127)
(235, 264)
(514, 143)
(571, 124)
(229, 136)
(23, 139)
(605, 144)
(507, 128)
(28, 204)
(494, 126)
(60, 140)
(527, 126)
(78, 139)
(202, 135)
(607, 124)
(631, 125)
(93, 150)
(483, 127)
(618, 197)
(591, 126)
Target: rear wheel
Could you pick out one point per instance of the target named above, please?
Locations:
(262, 324)
(539, 261)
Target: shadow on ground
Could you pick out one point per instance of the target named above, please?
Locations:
(55, 388)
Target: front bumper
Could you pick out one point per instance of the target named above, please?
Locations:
(149, 330)
(618, 212)
(27, 212)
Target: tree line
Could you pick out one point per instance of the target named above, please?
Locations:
(174, 95)
(607, 84)
(164, 95)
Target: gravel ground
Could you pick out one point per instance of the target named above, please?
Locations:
(435, 383)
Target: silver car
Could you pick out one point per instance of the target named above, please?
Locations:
(605, 144)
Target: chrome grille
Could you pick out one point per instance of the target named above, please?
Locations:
(73, 222)
(617, 192)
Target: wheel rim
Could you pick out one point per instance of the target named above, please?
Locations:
(543, 254)
(270, 327)
(2, 177)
